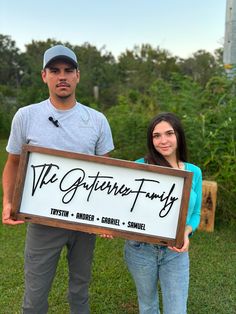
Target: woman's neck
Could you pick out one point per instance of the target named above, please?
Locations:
(175, 163)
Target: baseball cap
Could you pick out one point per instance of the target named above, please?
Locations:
(59, 52)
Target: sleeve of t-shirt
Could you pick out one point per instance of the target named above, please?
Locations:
(105, 141)
(17, 137)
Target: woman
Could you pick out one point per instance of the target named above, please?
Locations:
(150, 263)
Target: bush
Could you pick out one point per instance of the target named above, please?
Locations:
(209, 119)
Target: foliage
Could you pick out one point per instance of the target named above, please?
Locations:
(140, 67)
(128, 123)
(212, 143)
(140, 84)
(97, 68)
(8, 107)
(209, 119)
(9, 66)
(202, 66)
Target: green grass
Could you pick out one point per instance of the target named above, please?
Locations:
(212, 283)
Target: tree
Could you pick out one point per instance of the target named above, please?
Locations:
(201, 66)
(10, 66)
(97, 68)
(139, 68)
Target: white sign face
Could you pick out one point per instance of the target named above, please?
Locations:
(102, 195)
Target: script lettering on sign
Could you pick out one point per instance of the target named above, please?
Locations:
(44, 174)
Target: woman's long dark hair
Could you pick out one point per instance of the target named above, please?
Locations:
(153, 156)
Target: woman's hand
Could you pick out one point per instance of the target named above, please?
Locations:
(185, 247)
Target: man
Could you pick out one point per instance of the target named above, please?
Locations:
(59, 122)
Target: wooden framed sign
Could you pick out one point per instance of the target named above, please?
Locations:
(102, 195)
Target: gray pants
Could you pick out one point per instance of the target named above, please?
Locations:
(42, 253)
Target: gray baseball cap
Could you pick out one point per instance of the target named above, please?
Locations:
(59, 52)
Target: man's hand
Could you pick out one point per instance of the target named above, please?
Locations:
(6, 216)
(106, 236)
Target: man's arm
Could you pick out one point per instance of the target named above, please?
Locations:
(8, 183)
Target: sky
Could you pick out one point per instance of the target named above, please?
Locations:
(180, 26)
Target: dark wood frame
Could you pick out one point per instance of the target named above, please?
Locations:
(21, 175)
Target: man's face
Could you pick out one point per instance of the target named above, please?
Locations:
(61, 78)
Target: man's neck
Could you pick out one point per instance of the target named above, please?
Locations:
(63, 103)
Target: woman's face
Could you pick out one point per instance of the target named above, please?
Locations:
(164, 140)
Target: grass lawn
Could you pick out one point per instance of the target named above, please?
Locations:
(212, 283)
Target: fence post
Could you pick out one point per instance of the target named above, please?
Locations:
(209, 194)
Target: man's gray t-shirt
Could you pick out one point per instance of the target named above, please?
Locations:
(81, 129)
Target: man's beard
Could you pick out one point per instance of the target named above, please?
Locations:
(64, 97)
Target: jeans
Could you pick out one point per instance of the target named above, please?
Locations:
(149, 264)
